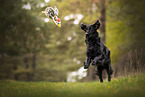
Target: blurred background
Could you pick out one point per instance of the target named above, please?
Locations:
(33, 48)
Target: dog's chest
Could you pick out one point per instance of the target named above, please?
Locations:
(92, 44)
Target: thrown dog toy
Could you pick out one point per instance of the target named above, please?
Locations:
(53, 13)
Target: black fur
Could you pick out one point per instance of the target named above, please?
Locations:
(96, 51)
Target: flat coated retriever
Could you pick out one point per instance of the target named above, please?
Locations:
(96, 51)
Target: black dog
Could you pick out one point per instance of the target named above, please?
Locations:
(96, 52)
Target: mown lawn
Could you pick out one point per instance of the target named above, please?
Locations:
(131, 86)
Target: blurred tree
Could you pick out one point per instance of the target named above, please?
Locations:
(19, 34)
(125, 31)
(50, 52)
(102, 17)
(25, 36)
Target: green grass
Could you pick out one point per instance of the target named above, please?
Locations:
(131, 86)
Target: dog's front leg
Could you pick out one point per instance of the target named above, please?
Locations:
(96, 59)
(87, 63)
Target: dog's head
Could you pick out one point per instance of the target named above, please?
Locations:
(90, 29)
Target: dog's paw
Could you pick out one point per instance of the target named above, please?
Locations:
(85, 67)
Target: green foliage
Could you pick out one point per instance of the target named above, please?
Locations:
(23, 34)
(131, 86)
(125, 31)
(18, 36)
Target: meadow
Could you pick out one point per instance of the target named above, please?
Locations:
(129, 86)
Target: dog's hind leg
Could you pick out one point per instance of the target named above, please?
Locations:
(100, 76)
(99, 73)
(108, 62)
(109, 70)
(109, 76)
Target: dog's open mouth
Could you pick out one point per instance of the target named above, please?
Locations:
(87, 33)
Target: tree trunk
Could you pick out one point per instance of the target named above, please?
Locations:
(91, 73)
(33, 65)
(103, 26)
(26, 65)
(91, 70)
(15, 75)
(34, 61)
(103, 19)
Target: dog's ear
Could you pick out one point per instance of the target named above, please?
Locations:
(83, 27)
(96, 25)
